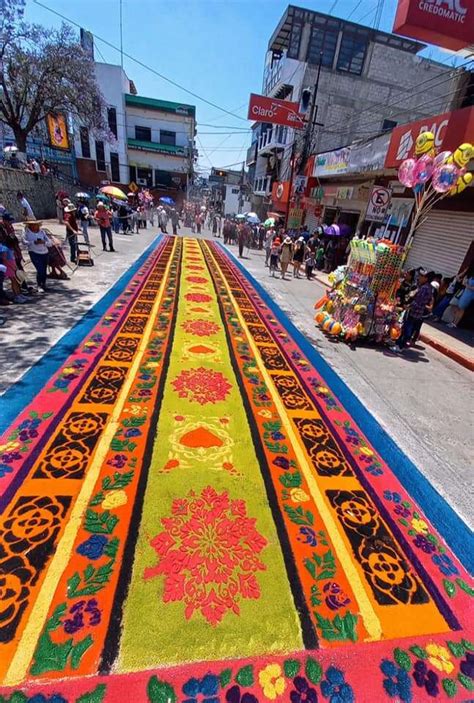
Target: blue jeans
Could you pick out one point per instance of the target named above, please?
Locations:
(410, 326)
(40, 262)
(106, 232)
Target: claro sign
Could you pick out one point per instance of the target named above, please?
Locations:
(263, 109)
(447, 23)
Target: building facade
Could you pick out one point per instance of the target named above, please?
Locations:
(369, 82)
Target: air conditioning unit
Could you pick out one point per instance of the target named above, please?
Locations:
(141, 181)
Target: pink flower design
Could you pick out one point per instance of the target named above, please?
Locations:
(208, 554)
(196, 279)
(200, 328)
(202, 385)
(198, 297)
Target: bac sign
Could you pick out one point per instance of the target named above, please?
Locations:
(450, 130)
(447, 23)
(378, 204)
(263, 109)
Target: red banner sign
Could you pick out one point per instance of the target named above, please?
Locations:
(263, 109)
(447, 23)
(450, 129)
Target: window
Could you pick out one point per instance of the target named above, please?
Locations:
(133, 174)
(388, 125)
(145, 177)
(323, 39)
(100, 155)
(295, 39)
(167, 137)
(352, 53)
(114, 167)
(143, 134)
(85, 144)
(112, 120)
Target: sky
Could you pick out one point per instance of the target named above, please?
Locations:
(214, 48)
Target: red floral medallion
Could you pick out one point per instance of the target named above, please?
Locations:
(193, 267)
(200, 328)
(198, 297)
(207, 553)
(202, 386)
(196, 279)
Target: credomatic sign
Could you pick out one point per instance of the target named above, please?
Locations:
(282, 112)
(447, 23)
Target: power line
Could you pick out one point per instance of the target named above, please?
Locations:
(143, 65)
(354, 9)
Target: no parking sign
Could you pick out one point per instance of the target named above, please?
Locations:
(379, 202)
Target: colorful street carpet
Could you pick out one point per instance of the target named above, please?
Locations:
(190, 513)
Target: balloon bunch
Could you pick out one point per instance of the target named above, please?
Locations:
(434, 176)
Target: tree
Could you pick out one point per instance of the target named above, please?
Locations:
(44, 71)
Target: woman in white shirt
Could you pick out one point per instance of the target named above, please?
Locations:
(38, 243)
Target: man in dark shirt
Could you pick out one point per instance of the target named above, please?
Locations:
(420, 306)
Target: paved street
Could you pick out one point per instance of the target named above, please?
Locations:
(423, 399)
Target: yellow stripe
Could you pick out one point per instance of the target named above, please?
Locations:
(27, 644)
(371, 621)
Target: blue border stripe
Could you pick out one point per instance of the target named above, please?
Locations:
(448, 523)
(21, 393)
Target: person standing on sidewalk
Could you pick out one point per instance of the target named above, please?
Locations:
(83, 215)
(37, 243)
(174, 220)
(102, 216)
(286, 255)
(26, 209)
(420, 306)
(72, 230)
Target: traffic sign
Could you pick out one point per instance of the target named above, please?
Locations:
(379, 202)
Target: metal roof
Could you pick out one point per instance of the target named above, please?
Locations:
(280, 37)
(163, 105)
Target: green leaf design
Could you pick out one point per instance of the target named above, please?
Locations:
(16, 697)
(225, 677)
(314, 670)
(418, 652)
(449, 587)
(456, 648)
(93, 579)
(100, 523)
(338, 629)
(111, 548)
(54, 656)
(450, 687)
(403, 522)
(95, 696)
(299, 516)
(402, 658)
(291, 480)
(244, 676)
(117, 481)
(465, 587)
(315, 596)
(291, 668)
(465, 681)
(160, 691)
(468, 645)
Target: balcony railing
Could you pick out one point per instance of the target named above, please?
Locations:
(251, 154)
(263, 185)
(274, 138)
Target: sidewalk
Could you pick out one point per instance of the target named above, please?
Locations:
(32, 329)
(457, 344)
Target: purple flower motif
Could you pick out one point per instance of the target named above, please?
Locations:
(82, 613)
(277, 435)
(425, 678)
(335, 596)
(118, 461)
(402, 511)
(144, 393)
(234, 695)
(60, 383)
(424, 544)
(10, 457)
(5, 469)
(307, 536)
(133, 432)
(467, 665)
(69, 376)
(303, 692)
(282, 462)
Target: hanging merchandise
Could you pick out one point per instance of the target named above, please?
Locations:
(362, 301)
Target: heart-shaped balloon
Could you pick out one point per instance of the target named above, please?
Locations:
(423, 169)
(406, 173)
(444, 177)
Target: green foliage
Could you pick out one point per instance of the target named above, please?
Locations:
(338, 629)
(160, 691)
(225, 677)
(291, 480)
(321, 567)
(291, 668)
(54, 656)
(93, 580)
(314, 670)
(449, 687)
(100, 523)
(299, 516)
(449, 587)
(418, 652)
(402, 658)
(244, 676)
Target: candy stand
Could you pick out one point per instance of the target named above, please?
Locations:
(362, 301)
